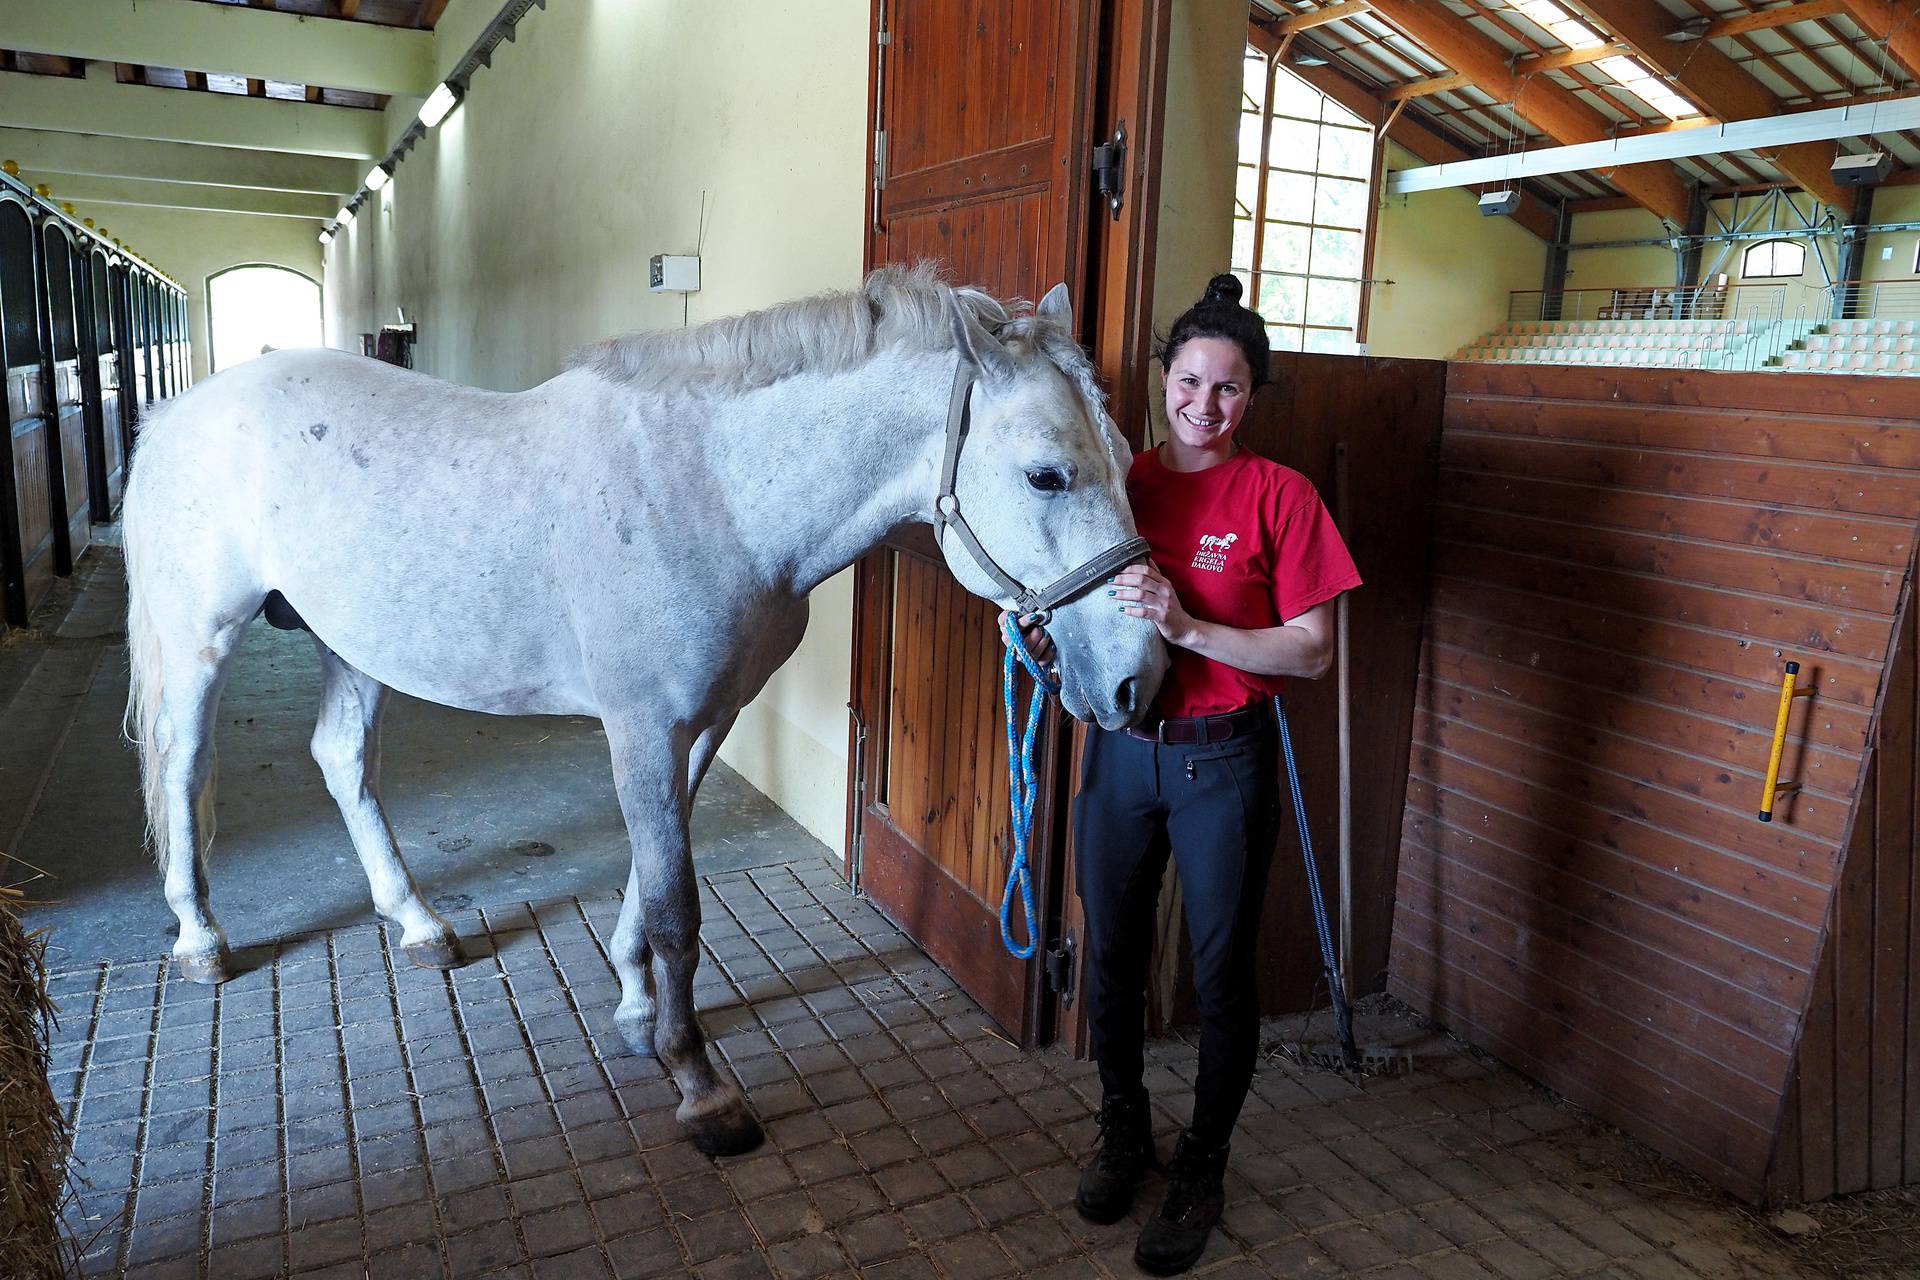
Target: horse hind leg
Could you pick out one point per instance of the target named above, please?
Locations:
(178, 763)
(346, 745)
(662, 912)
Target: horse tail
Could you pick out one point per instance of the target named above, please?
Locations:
(146, 659)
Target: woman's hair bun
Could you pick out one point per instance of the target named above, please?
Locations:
(1222, 288)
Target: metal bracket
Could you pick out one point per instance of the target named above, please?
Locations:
(1060, 970)
(1110, 169)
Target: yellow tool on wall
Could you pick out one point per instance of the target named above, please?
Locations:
(1774, 787)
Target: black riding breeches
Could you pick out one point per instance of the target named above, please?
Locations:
(1215, 807)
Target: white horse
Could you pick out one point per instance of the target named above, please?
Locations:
(633, 540)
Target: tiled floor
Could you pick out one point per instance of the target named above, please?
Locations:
(335, 1113)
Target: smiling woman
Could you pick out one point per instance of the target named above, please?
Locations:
(251, 308)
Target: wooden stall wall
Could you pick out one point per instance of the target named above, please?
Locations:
(1853, 1116)
(1623, 562)
(1387, 415)
(63, 302)
(27, 530)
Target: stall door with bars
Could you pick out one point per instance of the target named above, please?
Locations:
(981, 145)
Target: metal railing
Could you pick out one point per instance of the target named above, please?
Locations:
(1872, 300)
(1645, 302)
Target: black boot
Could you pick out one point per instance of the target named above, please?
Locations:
(1175, 1237)
(1125, 1155)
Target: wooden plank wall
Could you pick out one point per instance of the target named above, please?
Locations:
(1623, 562)
(1853, 1116)
(1387, 414)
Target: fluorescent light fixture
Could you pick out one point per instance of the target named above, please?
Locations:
(345, 216)
(439, 105)
(326, 235)
(377, 177)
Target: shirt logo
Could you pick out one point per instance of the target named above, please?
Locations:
(1212, 555)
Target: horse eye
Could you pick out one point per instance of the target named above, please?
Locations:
(1047, 480)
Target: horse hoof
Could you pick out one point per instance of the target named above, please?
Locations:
(730, 1131)
(639, 1037)
(727, 1134)
(435, 953)
(205, 967)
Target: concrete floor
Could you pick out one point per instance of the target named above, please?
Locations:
(336, 1113)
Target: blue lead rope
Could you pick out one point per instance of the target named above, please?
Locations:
(1022, 789)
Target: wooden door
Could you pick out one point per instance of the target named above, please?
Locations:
(982, 109)
(67, 453)
(126, 358)
(104, 381)
(26, 531)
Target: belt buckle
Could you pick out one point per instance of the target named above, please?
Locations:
(1160, 732)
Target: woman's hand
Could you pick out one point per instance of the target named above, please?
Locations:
(1039, 643)
(1144, 593)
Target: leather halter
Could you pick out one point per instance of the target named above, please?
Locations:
(946, 514)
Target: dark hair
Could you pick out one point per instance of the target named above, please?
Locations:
(1219, 314)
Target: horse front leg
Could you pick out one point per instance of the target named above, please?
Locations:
(661, 915)
(632, 957)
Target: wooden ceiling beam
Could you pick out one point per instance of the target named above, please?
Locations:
(1896, 23)
(1302, 21)
(1535, 214)
(1767, 19)
(346, 8)
(1554, 110)
(1425, 88)
(1602, 204)
(1717, 83)
(1522, 66)
(430, 13)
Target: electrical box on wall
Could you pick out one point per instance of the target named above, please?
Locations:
(673, 273)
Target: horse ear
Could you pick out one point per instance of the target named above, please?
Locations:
(976, 344)
(1057, 307)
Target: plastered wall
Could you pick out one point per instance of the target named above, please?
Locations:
(191, 245)
(1207, 40)
(1443, 270)
(520, 230)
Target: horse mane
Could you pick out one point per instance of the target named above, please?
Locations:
(826, 333)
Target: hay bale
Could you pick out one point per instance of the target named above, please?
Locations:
(33, 1132)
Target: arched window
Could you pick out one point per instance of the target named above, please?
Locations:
(256, 306)
(1774, 258)
(1307, 163)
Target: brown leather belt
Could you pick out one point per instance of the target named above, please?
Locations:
(1186, 731)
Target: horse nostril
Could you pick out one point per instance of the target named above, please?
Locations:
(1123, 697)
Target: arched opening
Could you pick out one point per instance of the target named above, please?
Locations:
(255, 306)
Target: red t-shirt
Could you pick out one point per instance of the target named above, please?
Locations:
(1247, 544)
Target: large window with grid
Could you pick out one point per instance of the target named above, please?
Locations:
(1300, 208)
